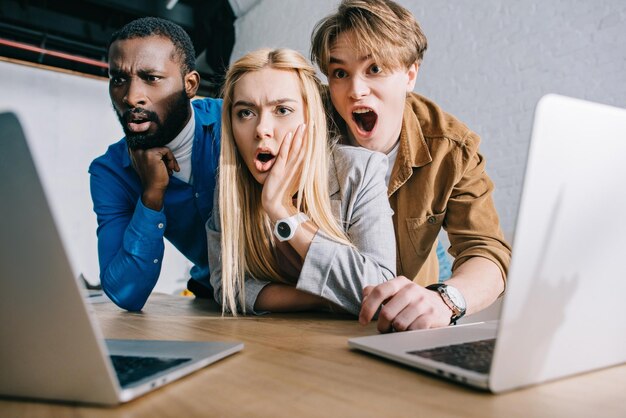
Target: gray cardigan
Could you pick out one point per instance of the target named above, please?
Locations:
(335, 271)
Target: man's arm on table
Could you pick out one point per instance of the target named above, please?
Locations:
(408, 306)
(130, 238)
(477, 243)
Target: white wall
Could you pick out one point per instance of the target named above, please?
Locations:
(488, 62)
(69, 121)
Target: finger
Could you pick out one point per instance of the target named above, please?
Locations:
(411, 315)
(296, 159)
(390, 311)
(305, 148)
(298, 142)
(367, 290)
(133, 156)
(404, 307)
(132, 160)
(421, 322)
(375, 297)
(283, 152)
(384, 324)
(169, 160)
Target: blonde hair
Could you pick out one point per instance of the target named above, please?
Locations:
(248, 245)
(380, 28)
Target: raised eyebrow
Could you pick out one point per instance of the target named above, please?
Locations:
(275, 102)
(116, 72)
(281, 101)
(243, 103)
(148, 72)
(335, 60)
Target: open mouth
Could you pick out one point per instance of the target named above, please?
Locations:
(138, 122)
(365, 119)
(264, 160)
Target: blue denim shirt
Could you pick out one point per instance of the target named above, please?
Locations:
(130, 236)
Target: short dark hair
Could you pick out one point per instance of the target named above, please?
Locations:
(156, 26)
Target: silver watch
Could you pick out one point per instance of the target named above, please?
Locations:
(453, 298)
(286, 228)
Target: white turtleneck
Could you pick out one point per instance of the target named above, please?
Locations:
(391, 160)
(181, 147)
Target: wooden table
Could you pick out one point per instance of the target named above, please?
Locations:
(300, 365)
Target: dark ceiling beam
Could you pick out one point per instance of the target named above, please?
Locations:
(20, 32)
(45, 21)
(181, 13)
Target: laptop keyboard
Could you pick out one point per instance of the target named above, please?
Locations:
(475, 355)
(131, 369)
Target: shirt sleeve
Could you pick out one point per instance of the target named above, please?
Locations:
(339, 272)
(252, 286)
(130, 242)
(471, 218)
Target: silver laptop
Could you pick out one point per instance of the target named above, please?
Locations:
(563, 310)
(51, 346)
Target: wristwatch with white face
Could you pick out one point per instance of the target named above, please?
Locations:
(286, 228)
(453, 298)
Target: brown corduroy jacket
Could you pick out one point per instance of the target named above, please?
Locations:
(439, 180)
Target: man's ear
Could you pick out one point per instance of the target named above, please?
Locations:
(412, 73)
(192, 82)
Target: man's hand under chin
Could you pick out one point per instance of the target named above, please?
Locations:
(405, 306)
(154, 167)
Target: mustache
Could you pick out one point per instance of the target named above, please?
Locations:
(139, 113)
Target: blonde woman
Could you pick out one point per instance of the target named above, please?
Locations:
(297, 225)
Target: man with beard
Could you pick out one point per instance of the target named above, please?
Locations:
(158, 180)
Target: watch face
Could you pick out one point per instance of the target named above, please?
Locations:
(283, 229)
(456, 297)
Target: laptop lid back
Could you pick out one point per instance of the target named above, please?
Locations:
(50, 348)
(564, 307)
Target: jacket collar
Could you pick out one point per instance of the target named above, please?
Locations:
(413, 151)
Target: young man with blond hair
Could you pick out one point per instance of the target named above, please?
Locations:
(371, 51)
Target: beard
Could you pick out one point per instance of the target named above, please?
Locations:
(177, 112)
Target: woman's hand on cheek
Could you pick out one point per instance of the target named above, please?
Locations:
(282, 181)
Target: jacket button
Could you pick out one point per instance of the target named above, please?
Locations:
(432, 220)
